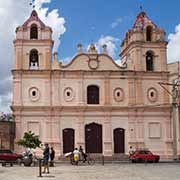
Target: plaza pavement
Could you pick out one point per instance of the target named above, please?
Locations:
(118, 171)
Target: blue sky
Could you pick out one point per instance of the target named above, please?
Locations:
(87, 21)
(82, 21)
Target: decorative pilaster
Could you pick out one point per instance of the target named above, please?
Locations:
(48, 59)
(107, 90)
(55, 90)
(17, 90)
(107, 135)
(139, 91)
(81, 90)
(80, 141)
(163, 60)
(132, 91)
(138, 63)
(56, 139)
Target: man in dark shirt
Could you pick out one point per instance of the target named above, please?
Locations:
(52, 156)
(46, 158)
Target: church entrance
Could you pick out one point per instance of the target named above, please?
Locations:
(93, 138)
(68, 140)
(119, 140)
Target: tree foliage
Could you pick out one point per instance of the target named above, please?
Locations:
(6, 117)
(30, 140)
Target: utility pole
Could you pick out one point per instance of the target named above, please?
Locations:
(175, 95)
(174, 119)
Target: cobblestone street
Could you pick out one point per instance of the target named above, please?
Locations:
(124, 171)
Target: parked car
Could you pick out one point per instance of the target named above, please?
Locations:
(143, 155)
(9, 156)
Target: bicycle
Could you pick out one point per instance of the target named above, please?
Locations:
(87, 159)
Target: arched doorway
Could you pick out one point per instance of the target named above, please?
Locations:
(119, 140)
(93, 138)
(68, 140)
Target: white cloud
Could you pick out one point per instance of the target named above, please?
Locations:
(116, 22)
(13, 14)
(173, 52)
(51, 19)
(110, 42)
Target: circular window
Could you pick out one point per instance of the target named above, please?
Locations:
(34, 94)
(68, 94)
(118, 94)
(152, 95)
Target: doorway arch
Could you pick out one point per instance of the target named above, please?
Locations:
(68, 140)
(119, 140)
(93, 138)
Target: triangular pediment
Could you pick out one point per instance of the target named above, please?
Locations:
(33, 17)
(142, 20)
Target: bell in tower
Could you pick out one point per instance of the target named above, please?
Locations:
(34, 62)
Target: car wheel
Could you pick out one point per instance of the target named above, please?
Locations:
(156, 160)
(3, 164)
(133, 161)
(139, 160)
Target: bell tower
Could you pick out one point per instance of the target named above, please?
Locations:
(144, 46)
(33, 45)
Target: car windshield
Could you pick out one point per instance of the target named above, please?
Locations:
(148, 152)
(141, 152)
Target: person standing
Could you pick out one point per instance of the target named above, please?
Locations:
(131, 151)
(84, 156)
(52, 156)
(46, 158)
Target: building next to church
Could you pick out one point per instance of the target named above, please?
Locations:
(92, 101)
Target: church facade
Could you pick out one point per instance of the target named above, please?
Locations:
(92, 101)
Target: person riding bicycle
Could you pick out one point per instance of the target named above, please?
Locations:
(84, 156)
(76, 155)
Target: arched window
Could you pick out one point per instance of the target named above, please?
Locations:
(92, 95)
(34, 32)
(149, 61)
(149, 33)
(33, 59)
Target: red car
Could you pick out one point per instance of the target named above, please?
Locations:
(144, 156)
(7, 155)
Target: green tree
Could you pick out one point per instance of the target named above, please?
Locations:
(30, 140)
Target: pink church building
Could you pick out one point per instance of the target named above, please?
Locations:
(92, 101)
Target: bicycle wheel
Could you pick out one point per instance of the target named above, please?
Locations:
(90, 161)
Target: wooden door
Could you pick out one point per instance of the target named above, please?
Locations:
(119, 140)
(93, 138)
(68, 140)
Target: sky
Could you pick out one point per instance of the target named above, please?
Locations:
(82, 21)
